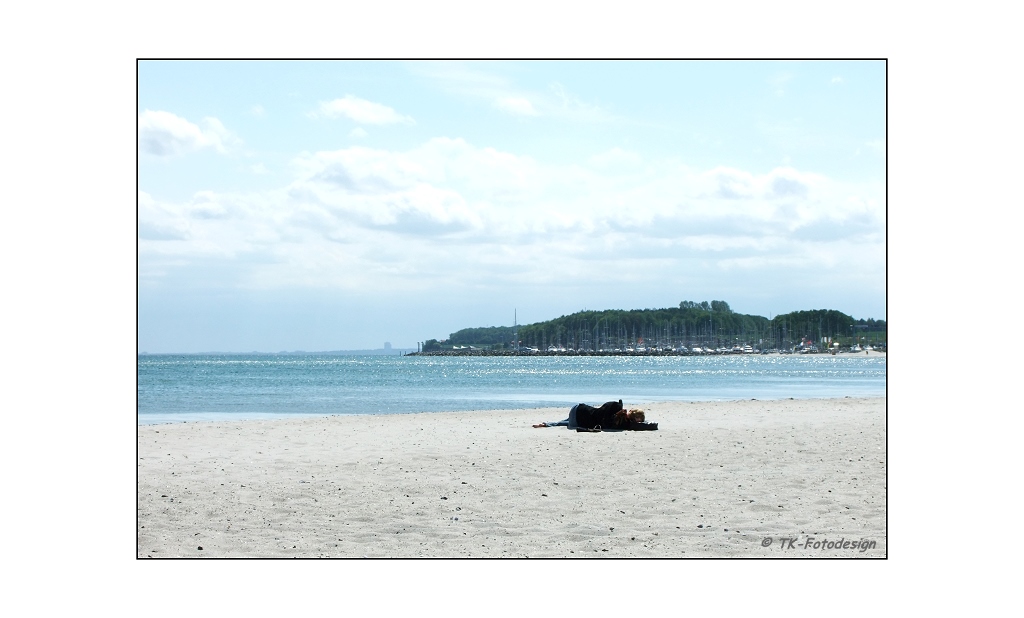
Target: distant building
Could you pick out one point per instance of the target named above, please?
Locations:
(387, 345)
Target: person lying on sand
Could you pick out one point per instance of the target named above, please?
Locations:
(611, 415)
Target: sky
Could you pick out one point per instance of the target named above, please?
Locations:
(329, 205)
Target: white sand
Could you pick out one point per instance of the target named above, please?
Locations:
(715, 480)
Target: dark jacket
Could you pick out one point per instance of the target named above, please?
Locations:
(590, 417)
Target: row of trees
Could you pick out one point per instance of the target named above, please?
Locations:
(642, 328)
(707, 324)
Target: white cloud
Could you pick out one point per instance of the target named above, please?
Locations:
(567, 105)
(519, 106)
(837, 80)
(358, 133)
(164, 134)
(257, 111)
(615, 158)
(259, 169)
(361, 111)
(156, 222)
(502, 95)
(779, 82)
(732, 183)
(451, 212)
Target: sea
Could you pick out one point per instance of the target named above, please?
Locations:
(195, 387)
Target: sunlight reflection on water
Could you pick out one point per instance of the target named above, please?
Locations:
(208, 387)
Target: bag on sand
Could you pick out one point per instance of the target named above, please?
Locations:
(635, 426)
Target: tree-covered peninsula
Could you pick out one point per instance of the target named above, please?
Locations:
(692, 327)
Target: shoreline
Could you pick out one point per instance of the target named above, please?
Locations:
(480, 352)
(245, 417)
(717, 479)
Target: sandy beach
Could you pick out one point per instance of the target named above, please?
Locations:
(718, 479)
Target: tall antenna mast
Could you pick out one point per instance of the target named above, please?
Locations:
(515, 328)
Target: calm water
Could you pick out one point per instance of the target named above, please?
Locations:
(196, 387)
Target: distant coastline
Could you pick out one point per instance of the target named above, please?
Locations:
(375, 352)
